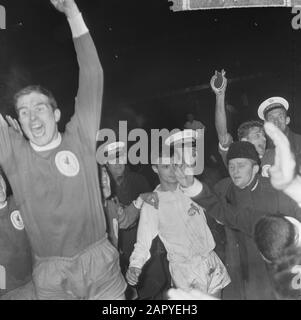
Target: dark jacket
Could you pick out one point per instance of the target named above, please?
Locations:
(240, 210)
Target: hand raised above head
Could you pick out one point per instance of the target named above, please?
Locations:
(283, 171)
(68, 7)
(219, 82)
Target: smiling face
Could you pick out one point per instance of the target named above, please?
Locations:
(37, 118)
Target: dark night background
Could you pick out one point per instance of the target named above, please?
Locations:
(155, 59)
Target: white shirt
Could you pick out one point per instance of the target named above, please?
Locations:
(180, 224)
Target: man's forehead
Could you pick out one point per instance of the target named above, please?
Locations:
(276, 112)
(31, 98)
(239, 160)
(254, 130)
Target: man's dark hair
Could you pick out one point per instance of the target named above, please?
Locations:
(35, 88)
(244, 129)
(272, 235)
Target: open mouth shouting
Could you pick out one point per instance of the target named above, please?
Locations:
(37, 130)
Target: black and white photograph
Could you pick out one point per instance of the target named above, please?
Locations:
(150, 151)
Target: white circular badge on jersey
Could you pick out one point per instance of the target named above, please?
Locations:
(67, 163)
(16, 220)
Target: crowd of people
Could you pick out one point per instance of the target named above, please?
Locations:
(76, 229)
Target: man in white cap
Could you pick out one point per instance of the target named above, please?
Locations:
(189, 145)
(182, 227)
(275, 110)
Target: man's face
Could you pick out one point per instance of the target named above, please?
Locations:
(242, 171)
(2, 189)
(166, 173)
(278, 117)
(37, 118)
(257, 137)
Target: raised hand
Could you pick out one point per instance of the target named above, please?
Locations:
(184, 175)
(221, 90)
(132, 275)
(14, 124)
(68, 7)
(283, 171)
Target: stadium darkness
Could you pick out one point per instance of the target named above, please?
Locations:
(156, 62)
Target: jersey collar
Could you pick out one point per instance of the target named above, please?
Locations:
(52, 145)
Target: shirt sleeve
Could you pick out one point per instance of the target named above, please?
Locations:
(88, 102)
(223, 148)
(128, 216)
(147, 231)
(8, 146)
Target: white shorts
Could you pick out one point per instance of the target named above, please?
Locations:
(93, 274)
(208, 275)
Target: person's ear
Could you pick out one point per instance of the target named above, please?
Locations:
(57, 115)
(255, 169)
(287, 120)
(155, 168)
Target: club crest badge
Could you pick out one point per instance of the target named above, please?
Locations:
(16, 220)
(193, 210)
(67, 163)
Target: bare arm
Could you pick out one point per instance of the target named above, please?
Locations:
(220, 112)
